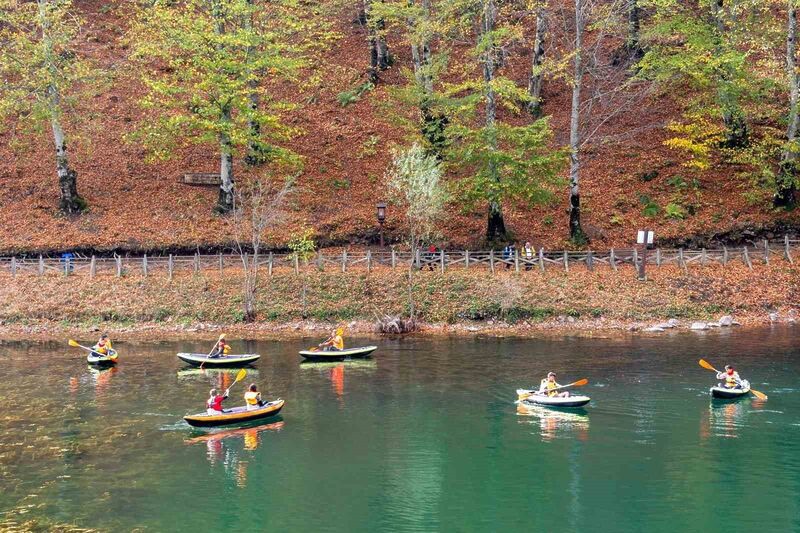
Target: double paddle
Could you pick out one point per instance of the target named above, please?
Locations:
(239, 377)
(705, 364)
(579, 383)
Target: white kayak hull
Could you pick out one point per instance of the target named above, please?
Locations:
(724, 393)
(553, 401)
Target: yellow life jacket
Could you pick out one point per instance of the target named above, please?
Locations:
(226, 350)
(730, 380)
(251, 397)
(549, 386)
(338, 342)
(102, 350)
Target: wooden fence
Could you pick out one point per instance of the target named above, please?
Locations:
(491, 260)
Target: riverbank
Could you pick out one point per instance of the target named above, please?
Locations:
(454, 302)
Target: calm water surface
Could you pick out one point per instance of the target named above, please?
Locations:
(423, 437)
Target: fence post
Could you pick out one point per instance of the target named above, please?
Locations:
(144, 265)
(13, 266)
(613, 260)
(320, 262)
(766, 251)
(787, 253)
(369, 261)
(466, 258)
(344, 260)
(566, 261)
(541, 259)
(221, 262)
(296, 264)
(66, 266)
(681, 261)
(658, 257)
(394, 258)
(269, 264)
(441, 260)
(118, 259)
(746, 257)
(415, 259)
(703, 257)
(92, 268)
(196, 262)
(724, 255)
(590, 260)
(516, 260)
(170, 267)
(491, 261)
(635, 258)
(41, 266)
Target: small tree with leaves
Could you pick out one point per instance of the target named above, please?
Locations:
(303, 246)
(259, 208)
(43, 75)
(203, 63)
(415, 184)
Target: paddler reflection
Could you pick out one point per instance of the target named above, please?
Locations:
(557, 424)
(724, 419)
(102, 380)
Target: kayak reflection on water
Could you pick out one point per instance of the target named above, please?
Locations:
(555, 423)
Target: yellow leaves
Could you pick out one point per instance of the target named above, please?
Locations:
(698, 137)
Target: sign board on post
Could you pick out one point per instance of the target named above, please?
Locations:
(645, 236)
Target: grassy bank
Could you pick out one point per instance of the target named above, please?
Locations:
(527, 298)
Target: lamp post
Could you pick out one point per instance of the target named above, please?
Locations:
(381, 218)
(644, 237)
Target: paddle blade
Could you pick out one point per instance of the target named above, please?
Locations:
(241, 374)
(581, 382)
(758, 394)
(74, 343)
(705, 364)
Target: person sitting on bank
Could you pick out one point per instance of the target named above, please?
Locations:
(253, 398)
(731, 377)
(335, 343)
(103, 346)
(222, 348)
(548, 386)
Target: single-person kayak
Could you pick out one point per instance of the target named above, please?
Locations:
(236, 415)
(552, 401)
(198, 359)
(97, 359)
(725, 393)
(331, 355)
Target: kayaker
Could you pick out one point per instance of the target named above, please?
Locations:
(335, 342)
(252, 397)
(549, 384)
(222, 348)
(103, 346)
(214, 403)
(731, 377)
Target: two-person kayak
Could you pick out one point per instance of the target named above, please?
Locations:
(236, 415)
(337, 355)
(197, 359)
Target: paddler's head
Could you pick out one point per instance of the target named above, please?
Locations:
(212, 392)
(253, 387)
(551, 376)
(729, 369)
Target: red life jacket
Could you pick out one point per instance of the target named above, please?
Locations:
(215, 403)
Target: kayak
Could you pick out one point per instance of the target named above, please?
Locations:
(322, 355)
(198, 359)
(553, 401)
(97, 359)
(236, 415)
(725, 393)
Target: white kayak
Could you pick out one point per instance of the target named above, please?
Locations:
(197, 359)
(97, 359)
(551, 401)
(726, 393)
(322, 355)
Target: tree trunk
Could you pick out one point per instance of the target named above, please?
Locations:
(256, 149)
(70, 202)
(535, 80)
(575, 230)
(433, 123)
(786, 186)
(495, 226)
(378, 49)
(225, 201)
(632, 43)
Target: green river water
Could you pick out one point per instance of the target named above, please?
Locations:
(425, 436)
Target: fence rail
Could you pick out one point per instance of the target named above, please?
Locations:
(764, 252)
